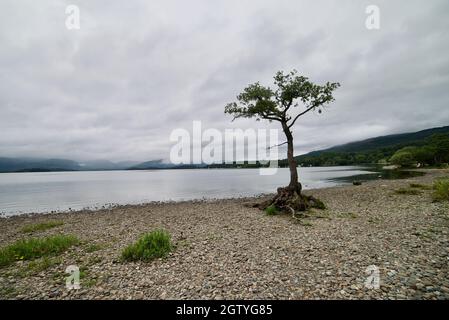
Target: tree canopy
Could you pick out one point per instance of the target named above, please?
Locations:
(292, 91)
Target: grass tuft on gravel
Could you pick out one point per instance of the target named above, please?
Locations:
(30, 249)
(41, 226)
(271, 210)
(350, 215)
(36, 266)
(94, 247)
(155, 244)
(408, 191)
(420, 186)
(441, 190)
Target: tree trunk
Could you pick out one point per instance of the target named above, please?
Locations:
(294, 183)
(290, 198)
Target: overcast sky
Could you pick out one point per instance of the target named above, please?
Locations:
(136, 70)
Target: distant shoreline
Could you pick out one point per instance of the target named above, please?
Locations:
(187, 167)
(145, 169)
(372, 173)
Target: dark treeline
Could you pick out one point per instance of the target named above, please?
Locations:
(432, 151)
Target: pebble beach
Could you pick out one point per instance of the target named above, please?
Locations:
(224, 249)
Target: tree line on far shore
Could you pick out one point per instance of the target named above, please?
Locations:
(432, 151)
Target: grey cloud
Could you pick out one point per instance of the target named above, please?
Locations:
(137, 70)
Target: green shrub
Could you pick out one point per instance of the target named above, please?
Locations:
(34, 248)
(441, 189)
(41, 226)
(403, 158)
(156, 244)
(271, 210)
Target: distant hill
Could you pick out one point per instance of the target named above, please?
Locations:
(46, 165)
(160, 164)
(153, 164)
(32, 164)
(394, 140)
(368, 151)
(107, 165)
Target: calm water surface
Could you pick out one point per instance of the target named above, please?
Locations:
(59, 191)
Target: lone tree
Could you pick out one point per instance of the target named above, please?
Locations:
(292, 92)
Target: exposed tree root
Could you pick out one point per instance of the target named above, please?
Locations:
(291, 200)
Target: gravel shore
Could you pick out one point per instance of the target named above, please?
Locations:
(225, 250)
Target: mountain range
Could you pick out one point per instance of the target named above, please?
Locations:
(371, 150)
(393, 140)
(368, 150)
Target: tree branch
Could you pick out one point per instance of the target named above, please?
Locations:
(288, 106)
(278, 145)
(302, 113)
(270, 116)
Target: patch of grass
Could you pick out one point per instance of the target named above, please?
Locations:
(271, 210)
(441, 190)
(94, 247)
(407, 191)
(156, 244)
(420, 186)
(83, 272)
(86, 278)
(41, 226)
(350, 215)
(318, 204)
(88, 283)
(37, 266)
(30, 249)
